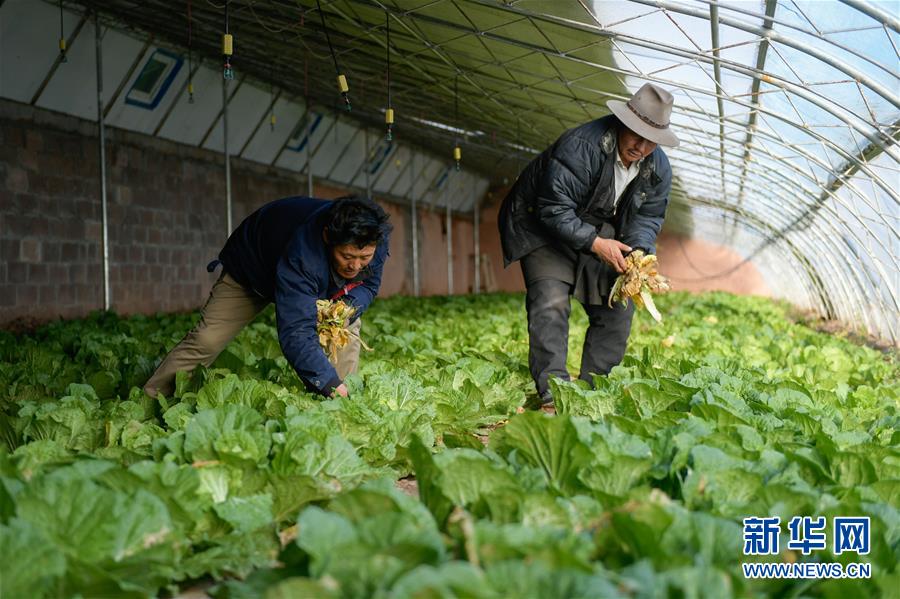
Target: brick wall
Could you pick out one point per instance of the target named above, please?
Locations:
(166, 206)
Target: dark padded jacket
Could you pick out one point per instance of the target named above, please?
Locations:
(278, 253)
(555, 191)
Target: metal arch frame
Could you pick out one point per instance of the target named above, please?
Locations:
(700, 56)
(814, 288)
(771, 19)
(804, 283)
(800, 152)
(853, 123)
(828, 193)
(767, 174)
(774, 36)
(823, 241)
(750, 226)
(829, 223)
(875, 13)
(761, 54)
(772, 224)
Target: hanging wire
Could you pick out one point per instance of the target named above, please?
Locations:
(190, 87)
(272, 96)
(389, 113)
(518, 147)
(227, 48)
(62, 36)
(342, 81)
(457, 150)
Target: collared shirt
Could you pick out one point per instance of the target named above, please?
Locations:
(625, 175)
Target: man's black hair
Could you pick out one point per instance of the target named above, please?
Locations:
(357, 221)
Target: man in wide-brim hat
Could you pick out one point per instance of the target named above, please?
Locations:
(599, 192)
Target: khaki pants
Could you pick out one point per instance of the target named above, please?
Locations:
(229, 309)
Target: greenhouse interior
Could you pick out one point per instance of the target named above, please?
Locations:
(449, 298)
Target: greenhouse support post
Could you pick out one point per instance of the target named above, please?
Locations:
(227, 157)
(102, 134)
(449, 224)
(413, 218)
(477, 237)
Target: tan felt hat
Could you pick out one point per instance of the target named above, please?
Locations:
(647, 114)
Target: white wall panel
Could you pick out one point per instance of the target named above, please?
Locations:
(331, 147)
(352, 157)
(381, 152)
(248, 104)
(29, 44)
(266, 144)
(294, 155)
(188, 123)
(135, 112)
(391, 172)
(427, 169)
(73, 88)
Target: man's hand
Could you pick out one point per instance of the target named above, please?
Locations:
(340, 390)
(611, 252)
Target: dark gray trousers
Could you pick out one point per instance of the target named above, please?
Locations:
(547, 302)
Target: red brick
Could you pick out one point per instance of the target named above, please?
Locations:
(65, 294)
(119, 253)
(69, 252)
(47, 295)
(7, 295)
(51, 251)
(37, 273)
(9, 249)
(17, 180)
(30, 250)
(17, 272)
(78, 273)
(26, 295)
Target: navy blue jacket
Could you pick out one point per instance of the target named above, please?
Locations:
(279, 254)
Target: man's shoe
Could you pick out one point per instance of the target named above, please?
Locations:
(546, 399)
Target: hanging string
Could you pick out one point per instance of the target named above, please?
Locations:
(227, 48)
(389, 113)
(518, 146)
(457, 151)
(272, 96)
(190, 87)
(62, 36)
(342, 81)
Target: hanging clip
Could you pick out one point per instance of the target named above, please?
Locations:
(272, 122)
(457, 155)
(342, 85)
(389, 121)
(227, 51)
(62, 50)
(191, 92)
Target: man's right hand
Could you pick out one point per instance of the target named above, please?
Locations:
(340, 390)
(611, 252)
